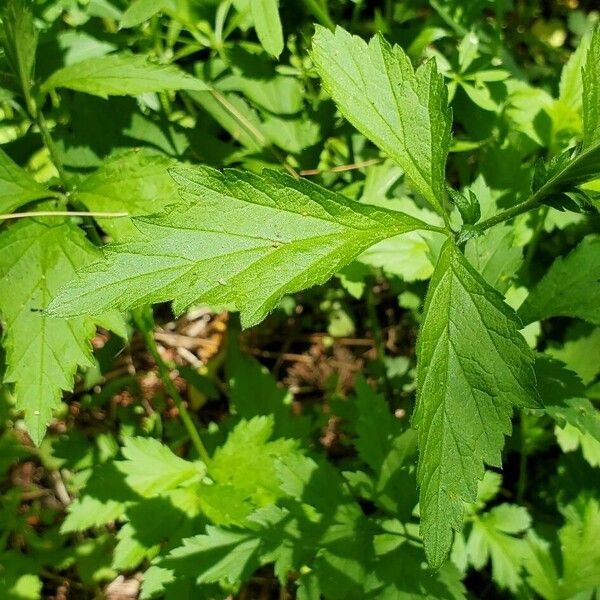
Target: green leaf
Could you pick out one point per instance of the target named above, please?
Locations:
(137, 183)
(43, 352)
(17, 186)
(241, 240)
(473, 367)
(121, 75)
(243, 472)
(142, 10)
(151, 467)
(402, 111)
(570, 287)
(564, 398)
(591, 94)
(19, 39)
(495, 257)
(267, 23)
(217, 555)
(578, 550)
(493, 536)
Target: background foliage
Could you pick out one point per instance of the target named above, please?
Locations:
(177, 456)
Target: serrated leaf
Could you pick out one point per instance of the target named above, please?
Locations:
(578, 549)
(43, 352)
(570, 287)
(473, 367)
(267, 23)
(401, 110)
(242, 241)
(493, 537)
(591, 94)
(121, 75)
(564, 397)
(151, 468)
(137, 183)
(17, 186)
(217, 555)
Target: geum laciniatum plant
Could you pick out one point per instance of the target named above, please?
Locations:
(241, 240)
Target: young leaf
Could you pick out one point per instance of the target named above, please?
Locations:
(473, 367)
(241, 240)
(19, 39)
(570, 287)
(17, 186)
(151, 467)
(267, 23)
(43, 352)
(121, 75)
(401, 110)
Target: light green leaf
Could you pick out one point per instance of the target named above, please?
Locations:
(137, 183)
(142, 10)
(17, 186)
(267, 23)
(43, 352)
(241, 240)
(217, 555)
(19, 38)
(591, 94)
(579, 351)
(151, 468)
(570, 287)
(495, 257)
(121, 75)
(493, 536)
(473, 367)
(578, 546)
(403, 112)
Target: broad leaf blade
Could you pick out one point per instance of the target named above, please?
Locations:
(42, 352)
(122, 75)
(241, 241)
(17, 186)
(570, 288)
(267, 23)
(473, 367)
(403, 112)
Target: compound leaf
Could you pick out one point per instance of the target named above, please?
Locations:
(241, 240)
(570, 288)
(17, 186)
(43, 352)
(473, 367)
(403, 111)
(122, 75)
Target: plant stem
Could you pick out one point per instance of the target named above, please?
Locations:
(49, 143)
(522, 482)
(512, 212)
(62, 213)
(377, 333)
(145, 323)
(535, 238)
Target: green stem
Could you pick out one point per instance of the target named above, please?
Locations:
(49, 143)
(522, 482)
(511, 213)
(145, 323)
(535, 238)
(377, 332)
